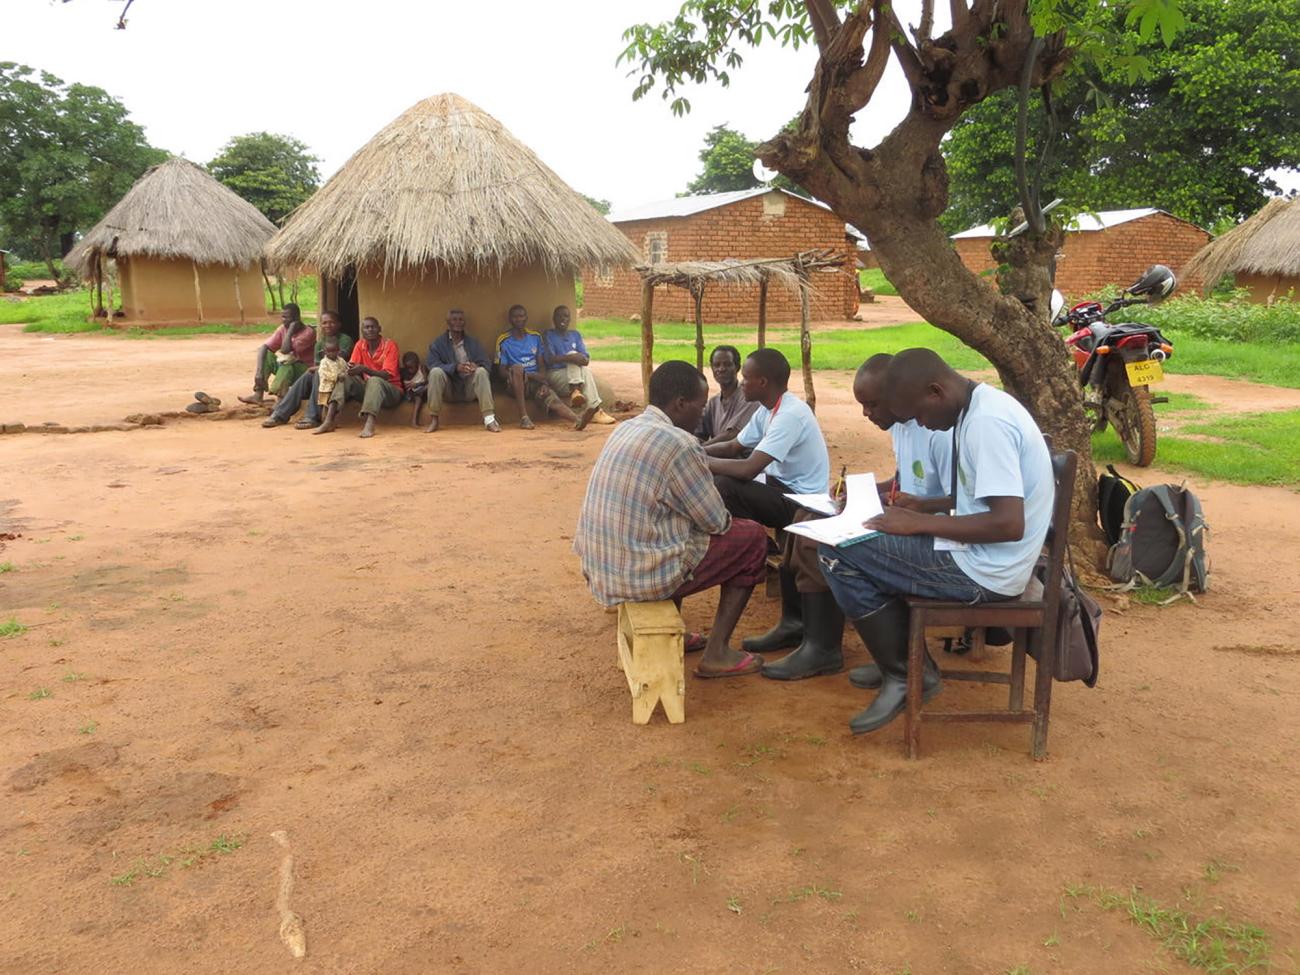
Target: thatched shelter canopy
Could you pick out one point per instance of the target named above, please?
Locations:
(177, 210)
(445, 184)
(791, 272)
(695, 276)
(1268, 243)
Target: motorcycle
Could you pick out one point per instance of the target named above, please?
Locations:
(1119, 362)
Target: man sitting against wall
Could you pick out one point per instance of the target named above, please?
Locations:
(458, 373)
(374, 377)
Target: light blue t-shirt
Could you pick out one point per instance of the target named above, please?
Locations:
(1003, 455)
(794, 441)
(923, 458)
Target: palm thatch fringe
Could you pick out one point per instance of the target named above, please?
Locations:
(177, 210)
(445, 187)
(790, 272)
(1266, 243)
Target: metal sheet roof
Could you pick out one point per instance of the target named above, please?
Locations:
(1086, 222)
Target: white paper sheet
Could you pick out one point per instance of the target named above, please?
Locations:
(822, 503)
(861, 503)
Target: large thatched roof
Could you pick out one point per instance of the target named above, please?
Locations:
(176, 209)
(1267, 243)
(446, 184)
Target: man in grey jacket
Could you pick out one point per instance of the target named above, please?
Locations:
(458, 373)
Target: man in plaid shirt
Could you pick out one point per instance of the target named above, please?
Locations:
(653, 526)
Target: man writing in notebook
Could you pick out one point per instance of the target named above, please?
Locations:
(810, 618)
(984, 551)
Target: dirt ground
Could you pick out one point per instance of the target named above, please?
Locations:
(384, 648)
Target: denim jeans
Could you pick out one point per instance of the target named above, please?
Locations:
(302, 391)
(866, 576)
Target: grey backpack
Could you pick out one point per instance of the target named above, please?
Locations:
(1162, 542)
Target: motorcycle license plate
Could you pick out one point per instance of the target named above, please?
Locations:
(1144, 373)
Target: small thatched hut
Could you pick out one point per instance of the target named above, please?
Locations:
(186, 247)
(444, 208)
(1263, 252)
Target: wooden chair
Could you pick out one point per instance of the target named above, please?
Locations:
(1018, 615)
(651, 648)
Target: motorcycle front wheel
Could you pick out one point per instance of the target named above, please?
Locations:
(1131, 414)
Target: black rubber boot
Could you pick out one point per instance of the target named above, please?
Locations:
(788, 631)
(884, 633)
(821, 651)
(868, 677)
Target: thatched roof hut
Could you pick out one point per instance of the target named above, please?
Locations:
(1262, 251)
(186, 247)
(445, 207)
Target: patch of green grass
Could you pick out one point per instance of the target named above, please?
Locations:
(845, 348)
(1216, 944)
(813, 890)
(1273, 363)
(1248, 448)
(7, 567)
(12, 628)
(874, 278)
(87, 728)
(187, 857)
(40, 694)
(71, 677)
(1184, 403)
(69, 313)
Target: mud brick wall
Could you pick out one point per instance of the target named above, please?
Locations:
(774, 225)
(1090, 260)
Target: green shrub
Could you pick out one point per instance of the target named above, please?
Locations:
(1235, 319)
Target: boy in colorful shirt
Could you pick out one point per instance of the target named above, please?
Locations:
(519, 362)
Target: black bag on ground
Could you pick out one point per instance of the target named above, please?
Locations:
(1162, 542)
(1076, 646)
(1113, 492)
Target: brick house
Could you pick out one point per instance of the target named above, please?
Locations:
(1113, 247)
(753, 223)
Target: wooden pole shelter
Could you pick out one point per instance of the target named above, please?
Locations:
(805, 341)
(239, 299)
(697, 292)
(198, 292)
(99, 284)
(647, 337)
(694, 276)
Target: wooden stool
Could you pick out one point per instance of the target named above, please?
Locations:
(651, 639)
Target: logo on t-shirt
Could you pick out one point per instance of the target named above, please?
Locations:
(918, 470)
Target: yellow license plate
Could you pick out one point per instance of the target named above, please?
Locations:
(1144, 373)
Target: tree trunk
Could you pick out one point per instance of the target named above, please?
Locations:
(49, 258)
(917, 256)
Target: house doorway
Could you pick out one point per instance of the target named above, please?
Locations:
(348, 307)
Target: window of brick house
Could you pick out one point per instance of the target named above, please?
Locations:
(604, 273)
(656, 247)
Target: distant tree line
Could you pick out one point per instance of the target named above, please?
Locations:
(69, 152)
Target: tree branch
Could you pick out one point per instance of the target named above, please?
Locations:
(825, 22)
(1028, 200)
(861, 83)
(926, 27)
(960, 14)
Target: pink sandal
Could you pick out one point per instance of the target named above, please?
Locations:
(752, 663)
(695, 642)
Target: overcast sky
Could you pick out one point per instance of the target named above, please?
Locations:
(196, 72)
(332, 73)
